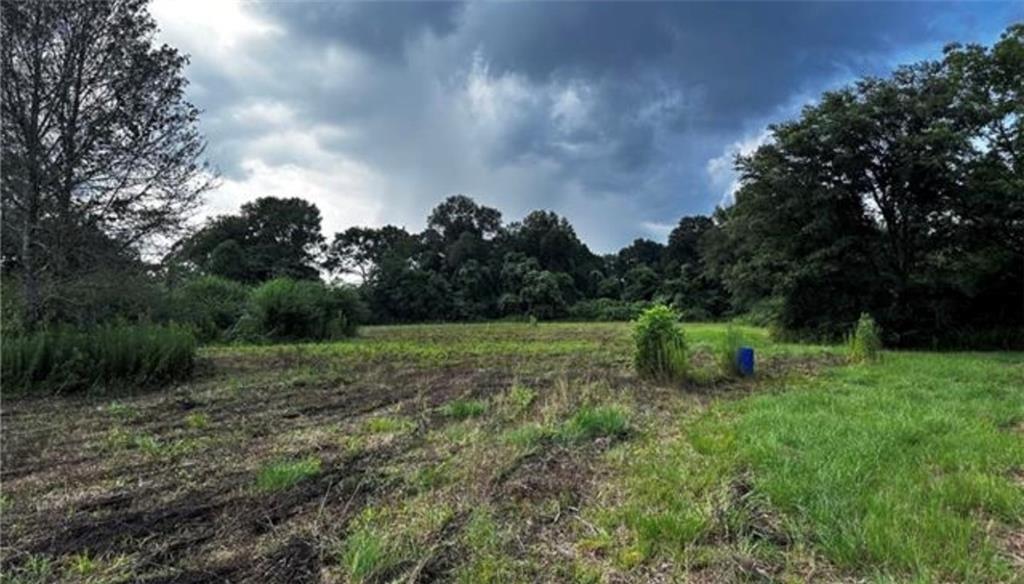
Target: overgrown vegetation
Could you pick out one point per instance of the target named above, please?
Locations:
(727, 352)
(288, 310)
(660, 345)
(864, 344)
(557, 462)
(66, 360)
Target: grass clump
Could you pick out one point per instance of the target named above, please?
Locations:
(197, 420)
(591, 422)
(660, 345)
(70, 360)
(388, 425)
(864, 344)
(526, 436)
(726, 352)
(462, 409)
(382, 538)
(283, 474)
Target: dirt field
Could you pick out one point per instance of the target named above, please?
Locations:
(457, 453)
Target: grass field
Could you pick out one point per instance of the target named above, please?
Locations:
(517, 452)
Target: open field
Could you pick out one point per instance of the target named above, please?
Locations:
(516, 452)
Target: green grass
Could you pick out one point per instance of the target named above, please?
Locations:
(897, 470)
(388, 425)
(280, 475)
(69, 360)
(528, 435)
(197, 420)
(591, 422)
(895, 467)
(462, 409)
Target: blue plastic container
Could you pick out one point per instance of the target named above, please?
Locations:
(745, 361)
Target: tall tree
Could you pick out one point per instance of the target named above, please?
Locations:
(97, 137)
(269, 238)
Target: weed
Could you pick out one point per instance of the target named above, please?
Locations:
(526, 436)
(197, 420)
(726, 352)
(660, 345)
(365, 553)
(864, 344)
(120, 410)
(283, 474)
(462, 409)
(484, 541)
(82, 565)
(388, 425)
(517, 400)
(591, 422)
(70, 360)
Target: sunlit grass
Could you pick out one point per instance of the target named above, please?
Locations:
(280, 475)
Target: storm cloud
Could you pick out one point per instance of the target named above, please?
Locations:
(621, 116)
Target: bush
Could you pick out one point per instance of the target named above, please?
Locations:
(287, 310)
(210, 306)
(726, 350)
(74, 360)
(660, 345)
(865, 343)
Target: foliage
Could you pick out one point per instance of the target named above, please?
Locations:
(67, 360)
(607, 310)
(209, 305)
(892, 196)
(284, 309)
(102, 152)
(270, 238)
(864, 344)
(661, 352)
(726, 351)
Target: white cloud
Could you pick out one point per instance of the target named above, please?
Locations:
(344, 192)
(721, 171)
(214, 24)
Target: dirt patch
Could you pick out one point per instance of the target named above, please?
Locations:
(298, 561)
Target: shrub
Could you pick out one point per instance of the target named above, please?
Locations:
(288, 310)
(660, 345)
(75, 360)
(865, 343)
(210, 305)
(725, 352)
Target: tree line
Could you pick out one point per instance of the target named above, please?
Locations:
(901, 196)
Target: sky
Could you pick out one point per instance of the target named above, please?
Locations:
(623, 117)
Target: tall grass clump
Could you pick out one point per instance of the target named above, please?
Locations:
(660, 345)
(293, 310)
(68, 360)
(726, 352)
(864, 344)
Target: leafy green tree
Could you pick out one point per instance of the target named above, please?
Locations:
(271, 237)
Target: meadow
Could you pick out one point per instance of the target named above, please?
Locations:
(516, 452)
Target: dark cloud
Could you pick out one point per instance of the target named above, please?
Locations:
(612, 113)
